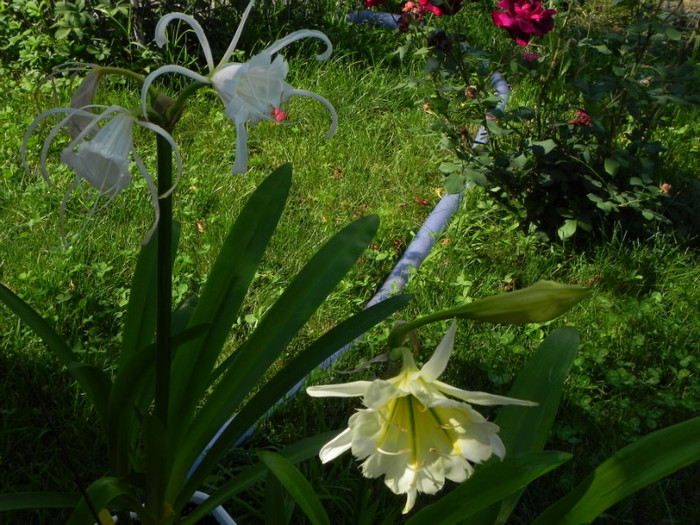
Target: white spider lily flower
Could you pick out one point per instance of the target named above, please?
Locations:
(103, 161)
(250, 91)
(411, 432)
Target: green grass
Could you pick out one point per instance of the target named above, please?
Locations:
(638, 368)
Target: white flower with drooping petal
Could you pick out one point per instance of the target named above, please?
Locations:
(103, 160)
(250, 91)
(411, 432)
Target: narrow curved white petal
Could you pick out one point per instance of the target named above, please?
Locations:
(154, 196)
(353, 389)
(240, 166)
(437, 363)
(480, 398)
(62, 211)
(54, 131)
(322, 100)
(336, 446)
(161, 71)
(234, 41)
(162, 39)
(298, 35)
(176, 150)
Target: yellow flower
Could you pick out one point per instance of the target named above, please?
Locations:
(411, 432)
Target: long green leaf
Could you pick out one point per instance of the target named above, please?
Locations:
(223, 294)
(131, 394)
(282, 322)
(489, 484)
(140, 318)
(295, 453)
(101, 493)
(277, 509)
(645, 461)
(38, 500)
(297, 486)
(526, 429)
(92, 380)
(293, 372)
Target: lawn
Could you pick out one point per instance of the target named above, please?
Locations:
(638, 365)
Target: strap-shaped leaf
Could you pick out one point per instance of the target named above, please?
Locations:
(292, 373)
(282, 322)
(92, 380)
(645, 461)
(101, 493)
(526, 429)
(489, 484)
(297, 486)
(223, 294)
(296, 453)
(140, 318)
(38, 500)
(131, 395)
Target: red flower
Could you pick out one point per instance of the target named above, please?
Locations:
(415, 9)
(446, 7)
(524, 18)
(411, 12)
(373, 3)
(531, 57)
(279, 115)
(583, 119)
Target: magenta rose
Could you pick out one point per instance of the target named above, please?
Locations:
(523, 19)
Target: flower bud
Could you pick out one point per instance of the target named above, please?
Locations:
(543, 301)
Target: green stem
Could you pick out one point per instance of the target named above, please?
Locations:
(179, 104)
(155, 431)
(164, 281)
(400, 331)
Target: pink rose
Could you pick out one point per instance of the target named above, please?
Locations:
(524, 18)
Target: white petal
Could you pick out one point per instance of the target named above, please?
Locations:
(367, 427)
(234, 41)
(410, 501)
(336, 446)
(353, 389)
(240, 166)
(497, 445)
(322, 100)
(479, 398)
(381, 392)
(436, 365)
(162, 39)
(298, 35)
(457, 468)
(154, 196)
(160, 71)
(173, 145)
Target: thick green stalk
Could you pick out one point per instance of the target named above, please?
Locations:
(163, 322)
(163, 326)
